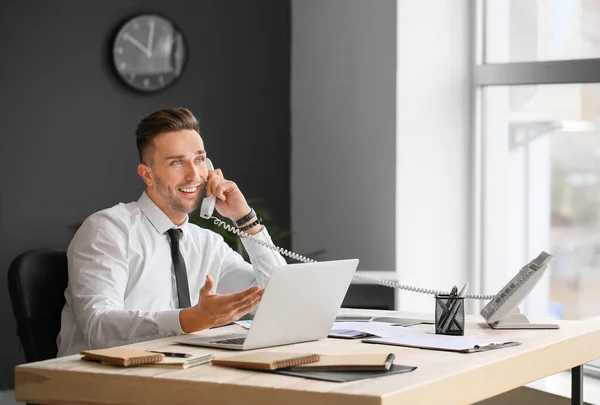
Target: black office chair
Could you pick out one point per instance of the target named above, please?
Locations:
(37, 280)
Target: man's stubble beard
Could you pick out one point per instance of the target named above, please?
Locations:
(169, 196)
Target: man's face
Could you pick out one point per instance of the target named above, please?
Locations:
(178, 171)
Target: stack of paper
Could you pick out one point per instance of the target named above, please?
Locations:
(176, 357)
(181, 362)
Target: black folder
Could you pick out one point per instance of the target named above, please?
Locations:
(344, 376)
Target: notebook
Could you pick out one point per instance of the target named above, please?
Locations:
(350, 362)
(267, 360)
(117, 356)
(431, 341)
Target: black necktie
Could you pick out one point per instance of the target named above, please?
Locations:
(183, 289)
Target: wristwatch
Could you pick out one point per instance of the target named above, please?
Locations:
(245, 218)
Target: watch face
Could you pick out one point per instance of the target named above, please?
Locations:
(149, 52)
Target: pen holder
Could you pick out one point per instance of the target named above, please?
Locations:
(449, 315)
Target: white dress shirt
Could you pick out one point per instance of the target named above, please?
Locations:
(121, 282)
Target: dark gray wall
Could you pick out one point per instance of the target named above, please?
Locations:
(344, 130)
(66, 123)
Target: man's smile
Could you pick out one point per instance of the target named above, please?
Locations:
(190, 191)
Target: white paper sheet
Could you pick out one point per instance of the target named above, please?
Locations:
(381, 329)
(434, 341)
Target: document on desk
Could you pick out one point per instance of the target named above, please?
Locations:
(443, 342)
(380, 329)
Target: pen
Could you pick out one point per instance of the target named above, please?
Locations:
(446, 310)
(463, 291)
(172, 354)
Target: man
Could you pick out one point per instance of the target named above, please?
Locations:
(135, 269)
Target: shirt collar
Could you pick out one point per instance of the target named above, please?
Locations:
(157, 217)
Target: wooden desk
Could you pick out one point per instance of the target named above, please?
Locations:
(441, 377)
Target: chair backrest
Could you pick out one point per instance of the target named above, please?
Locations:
(37, 280)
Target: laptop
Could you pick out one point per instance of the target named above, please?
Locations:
(299, 304)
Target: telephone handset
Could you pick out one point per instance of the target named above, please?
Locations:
(208, 203)
(208, 206)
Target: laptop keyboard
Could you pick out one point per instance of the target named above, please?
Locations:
(234, 341)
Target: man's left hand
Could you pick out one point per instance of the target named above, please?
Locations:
(230, 200)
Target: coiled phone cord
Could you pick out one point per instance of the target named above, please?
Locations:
(396, 284)
(243, 234)
(300, 258)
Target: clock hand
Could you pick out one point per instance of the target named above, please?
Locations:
(135, 42)
(150, 37)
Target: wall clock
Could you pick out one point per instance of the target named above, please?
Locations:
(148, 52)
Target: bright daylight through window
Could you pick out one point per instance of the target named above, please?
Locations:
(543, 170)
(537, 82)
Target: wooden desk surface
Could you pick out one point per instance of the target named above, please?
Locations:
(441, 377)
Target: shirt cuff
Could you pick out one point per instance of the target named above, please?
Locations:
(253, 248)
(168, 322)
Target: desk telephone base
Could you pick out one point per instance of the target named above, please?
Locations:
(517, 320)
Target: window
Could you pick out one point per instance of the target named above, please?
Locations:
(537, 92)
(542, 170)
(541, 30)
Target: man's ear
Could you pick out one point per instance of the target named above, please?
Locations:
(145, 173)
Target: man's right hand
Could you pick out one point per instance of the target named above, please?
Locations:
(216, 310)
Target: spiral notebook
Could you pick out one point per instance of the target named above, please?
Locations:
(267, 360)
(117, 356)
(350, 362)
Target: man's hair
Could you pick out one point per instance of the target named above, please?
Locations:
(166, 120)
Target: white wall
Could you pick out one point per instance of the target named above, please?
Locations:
(433, 149)
(343, 129)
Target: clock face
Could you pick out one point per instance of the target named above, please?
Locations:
(149, 52)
